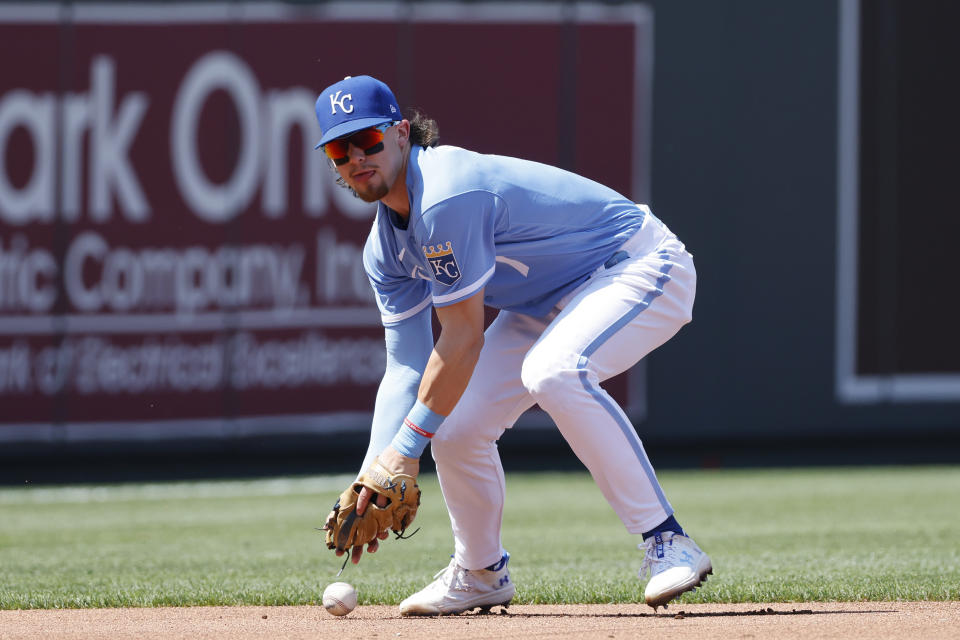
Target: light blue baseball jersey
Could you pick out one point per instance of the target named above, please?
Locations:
(527, 233)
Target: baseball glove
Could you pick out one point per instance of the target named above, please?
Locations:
(345, 529)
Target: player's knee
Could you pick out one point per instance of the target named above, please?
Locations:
(547, 375)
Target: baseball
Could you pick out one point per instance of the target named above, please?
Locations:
(339, 598)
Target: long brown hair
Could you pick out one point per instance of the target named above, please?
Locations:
(423, 129)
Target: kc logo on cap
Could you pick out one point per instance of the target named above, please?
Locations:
(354, 103)
(337, 101)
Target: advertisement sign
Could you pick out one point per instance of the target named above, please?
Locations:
(175, 257)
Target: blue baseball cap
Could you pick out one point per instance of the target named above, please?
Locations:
(354, 103)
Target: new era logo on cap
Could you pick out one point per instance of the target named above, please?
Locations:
(354, 103)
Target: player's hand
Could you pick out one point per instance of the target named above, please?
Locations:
(357, 551)
(395, 463)
(362, 501)
(354, 523)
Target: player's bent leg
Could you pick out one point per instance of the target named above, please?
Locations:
(471, 476)
(465, 447)
(616, 320)
(602, 436)
(473, 486)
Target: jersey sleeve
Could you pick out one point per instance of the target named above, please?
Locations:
(457, 240)
(398, 295)
(409, 343)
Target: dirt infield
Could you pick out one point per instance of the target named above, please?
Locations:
(875, 620)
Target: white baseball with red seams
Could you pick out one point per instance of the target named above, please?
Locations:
(340, 598)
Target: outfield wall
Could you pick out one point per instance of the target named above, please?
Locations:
(175, 259)
(176, 263)
(803, 149)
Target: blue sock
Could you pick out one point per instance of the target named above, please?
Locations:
(670, 524)
(499, 564)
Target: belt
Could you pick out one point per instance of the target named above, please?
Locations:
(647, 238)
(616, 258)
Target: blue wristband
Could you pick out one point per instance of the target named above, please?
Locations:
(417, 429)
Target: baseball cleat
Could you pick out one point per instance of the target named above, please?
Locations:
(675, 564)
(457, 590)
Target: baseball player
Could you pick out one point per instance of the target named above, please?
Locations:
(587, 283)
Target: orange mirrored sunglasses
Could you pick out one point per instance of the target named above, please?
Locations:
(370, 140)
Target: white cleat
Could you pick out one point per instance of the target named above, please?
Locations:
(456, 590)
(676, 565)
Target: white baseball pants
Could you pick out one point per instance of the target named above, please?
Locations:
(613, 320)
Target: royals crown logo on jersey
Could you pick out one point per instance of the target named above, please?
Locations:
(445, 268)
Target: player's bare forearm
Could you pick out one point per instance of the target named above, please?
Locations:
(455, 354)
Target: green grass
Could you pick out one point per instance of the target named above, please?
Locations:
(774, 536)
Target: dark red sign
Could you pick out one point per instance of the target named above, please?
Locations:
(175, 253)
